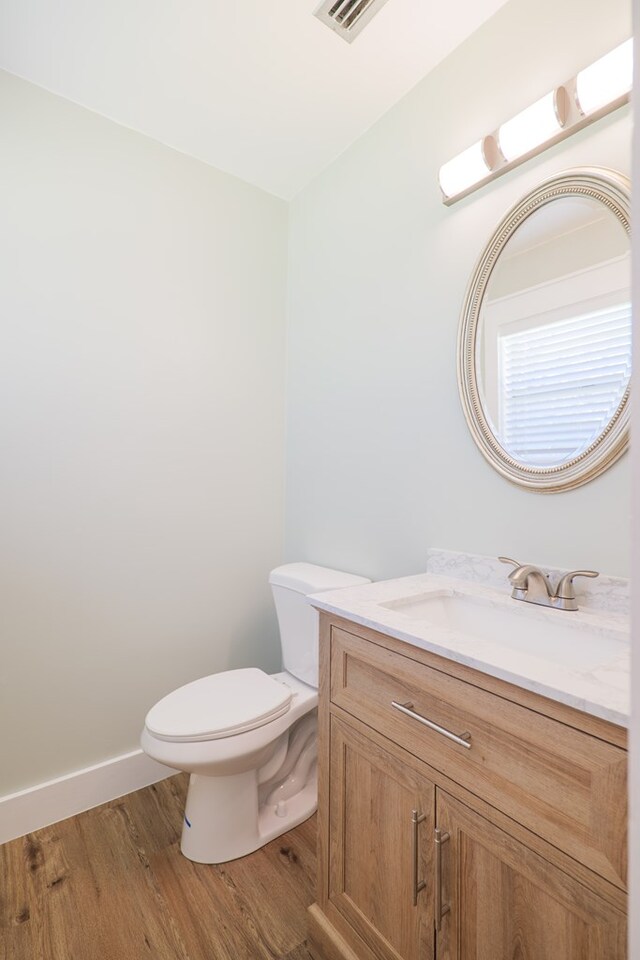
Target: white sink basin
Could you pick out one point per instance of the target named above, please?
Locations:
(524, 627)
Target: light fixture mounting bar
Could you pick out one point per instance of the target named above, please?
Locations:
(500, 156)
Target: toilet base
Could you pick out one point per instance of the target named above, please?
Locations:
(222, 820)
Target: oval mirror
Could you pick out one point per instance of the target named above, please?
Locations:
(544, 348)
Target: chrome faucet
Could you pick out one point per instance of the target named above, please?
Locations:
(533, 586)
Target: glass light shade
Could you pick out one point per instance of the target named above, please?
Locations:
(530, 128)
(463, 171)
(606, 79)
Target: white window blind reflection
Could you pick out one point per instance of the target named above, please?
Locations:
(562, 382)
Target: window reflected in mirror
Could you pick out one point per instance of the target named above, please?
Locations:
(548, 320)
(555, 334)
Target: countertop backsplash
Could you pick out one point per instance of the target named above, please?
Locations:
(604, 593)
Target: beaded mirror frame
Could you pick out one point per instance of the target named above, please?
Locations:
(612, 189)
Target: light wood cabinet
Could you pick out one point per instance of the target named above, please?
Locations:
(382, 811)
(502, 900)
(506, 842)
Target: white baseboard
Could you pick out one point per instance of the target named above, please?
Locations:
(63, 797)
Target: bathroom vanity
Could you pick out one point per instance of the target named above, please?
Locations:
(472, 797)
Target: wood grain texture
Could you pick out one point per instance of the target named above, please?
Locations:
(603, 729)
(535, 867)
(371, 834)
(562, 783)
(325, 942)
(505, 902)
(609, 892)
(111, 884)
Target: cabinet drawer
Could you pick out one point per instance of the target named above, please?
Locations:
(564, 785)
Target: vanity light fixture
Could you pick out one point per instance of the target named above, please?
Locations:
(538, 123)
(607, 80)
(594, 92)
(468, 167)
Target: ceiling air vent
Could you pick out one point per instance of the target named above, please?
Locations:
(348, 17)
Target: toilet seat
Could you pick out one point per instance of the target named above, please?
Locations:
(221, 705)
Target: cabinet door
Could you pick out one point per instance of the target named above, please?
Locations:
(381, 823)
(498, 900)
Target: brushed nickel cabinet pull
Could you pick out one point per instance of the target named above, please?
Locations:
(441, 909)
(462, 739)
(418, 885)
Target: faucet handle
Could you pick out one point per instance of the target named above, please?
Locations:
(565, 589)
(509, 560)
(515, 576)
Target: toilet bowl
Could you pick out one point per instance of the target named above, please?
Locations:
(249, 739)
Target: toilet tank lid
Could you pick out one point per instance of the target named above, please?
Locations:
(308, 578)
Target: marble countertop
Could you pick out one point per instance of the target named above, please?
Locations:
(591, 673)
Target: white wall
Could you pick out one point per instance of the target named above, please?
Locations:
(634, 773)
(380, 462)
(142, 298)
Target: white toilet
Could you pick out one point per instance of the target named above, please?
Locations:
(249, 739)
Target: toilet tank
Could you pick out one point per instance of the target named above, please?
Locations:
(297, 619)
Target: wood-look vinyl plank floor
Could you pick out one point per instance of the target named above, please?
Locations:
(111, 884)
